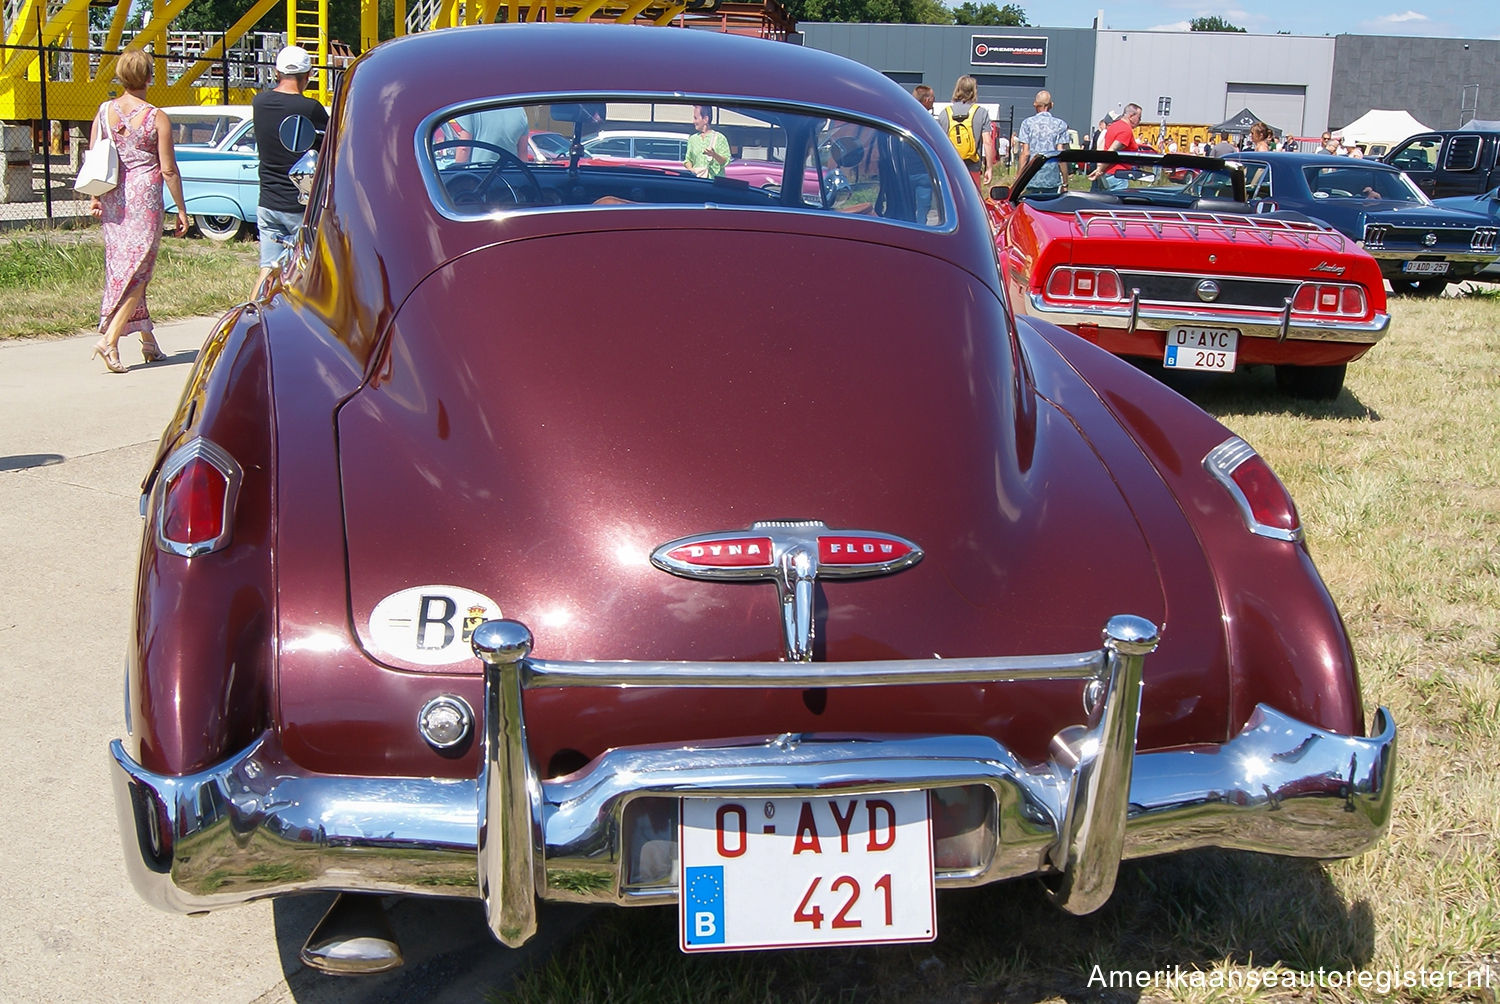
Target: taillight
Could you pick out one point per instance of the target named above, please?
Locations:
(1264, 502)
(1330, 299)
(1070, 283)
(195, 499)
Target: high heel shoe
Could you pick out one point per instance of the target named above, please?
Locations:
(111, 356)
(150, 351)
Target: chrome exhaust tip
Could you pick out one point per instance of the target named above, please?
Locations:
(354, 938)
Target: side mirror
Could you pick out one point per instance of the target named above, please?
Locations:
(297, 133)
(845, 152)
(1000, 192)
(302, 175)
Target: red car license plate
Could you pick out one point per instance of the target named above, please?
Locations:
(1192, 348)
(789, 872)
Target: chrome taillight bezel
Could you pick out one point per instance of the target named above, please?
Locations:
(1221, 462)
(220, 460)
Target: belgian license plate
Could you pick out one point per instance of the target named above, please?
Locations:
(1190, 348)
(792, 872)
(1425, 267)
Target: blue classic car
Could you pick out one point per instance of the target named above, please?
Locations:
(1421, 247)
(220, 167)
(1486, 204)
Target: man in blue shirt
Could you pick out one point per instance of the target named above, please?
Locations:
(1039, 135)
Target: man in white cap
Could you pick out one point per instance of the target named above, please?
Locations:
(279, 217)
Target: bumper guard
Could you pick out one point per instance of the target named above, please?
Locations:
(257, 825)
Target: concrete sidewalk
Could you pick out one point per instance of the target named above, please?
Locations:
(75, 443)
(87, 408)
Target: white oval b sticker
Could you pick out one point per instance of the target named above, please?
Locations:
(430, 625)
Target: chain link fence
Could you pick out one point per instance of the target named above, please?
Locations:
(40, 156)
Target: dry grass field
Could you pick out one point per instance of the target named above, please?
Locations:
(51, 281)
(1398, 482)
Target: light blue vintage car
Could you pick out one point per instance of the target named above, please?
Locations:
(220, 167)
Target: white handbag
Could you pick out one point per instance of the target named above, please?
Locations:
(100, 170)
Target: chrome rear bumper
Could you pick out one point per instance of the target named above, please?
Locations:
(1141, 315)
(257, 825)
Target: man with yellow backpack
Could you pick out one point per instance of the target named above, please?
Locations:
(967, 124)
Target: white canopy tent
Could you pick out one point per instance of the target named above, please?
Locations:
(1381, 125)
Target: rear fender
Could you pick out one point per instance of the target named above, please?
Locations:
(200, 662)
(1287, 646)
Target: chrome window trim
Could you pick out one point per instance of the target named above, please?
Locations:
(221, 461)
(1221, 462)
(439, 201)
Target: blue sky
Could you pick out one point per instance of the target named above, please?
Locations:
(1441, 18)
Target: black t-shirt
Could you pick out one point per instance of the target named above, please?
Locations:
(276, 189)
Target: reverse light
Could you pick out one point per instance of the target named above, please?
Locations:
(195, 498)
(1263, 501)
(1330, 299)
(1068, 282)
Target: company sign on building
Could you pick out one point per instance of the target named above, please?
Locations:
(1008, 50)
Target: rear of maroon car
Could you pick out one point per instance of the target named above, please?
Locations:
(677, 554)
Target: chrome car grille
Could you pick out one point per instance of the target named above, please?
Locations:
(1234, 291)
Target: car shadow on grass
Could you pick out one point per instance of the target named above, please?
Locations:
(1252, 390)
(1200, 912)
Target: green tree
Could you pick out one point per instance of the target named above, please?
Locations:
(1011, 15)
(343, 18)
(1213, 23)
(216, 15)
(871, 11)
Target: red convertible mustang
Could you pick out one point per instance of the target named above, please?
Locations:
(1160, 257)
(480, 562)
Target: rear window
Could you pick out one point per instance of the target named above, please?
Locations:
(670, 152)
(189, 129)
(1359, 182)
(1463, 154)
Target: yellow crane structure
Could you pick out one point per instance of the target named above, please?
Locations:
(57, 32)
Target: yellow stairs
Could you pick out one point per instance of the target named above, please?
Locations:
(307, 26)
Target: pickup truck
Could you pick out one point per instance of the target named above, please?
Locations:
(1450, 162)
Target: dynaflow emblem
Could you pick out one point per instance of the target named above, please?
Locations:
(794, 555)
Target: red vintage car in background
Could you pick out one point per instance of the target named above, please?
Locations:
(1159, 257)
(481, 562)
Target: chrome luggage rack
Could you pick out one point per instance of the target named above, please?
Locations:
(1230, 227)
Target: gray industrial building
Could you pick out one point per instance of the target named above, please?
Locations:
(1299, 84)
(1009, 69)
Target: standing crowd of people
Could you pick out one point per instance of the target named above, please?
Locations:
(1043, 133)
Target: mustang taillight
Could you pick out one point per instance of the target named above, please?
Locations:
(1263, 501)
(1068, 282)
(1332, 299)
(195, 499)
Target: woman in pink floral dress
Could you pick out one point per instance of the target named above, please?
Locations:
(131, 212)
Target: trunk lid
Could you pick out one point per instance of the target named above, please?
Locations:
(549, 412)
